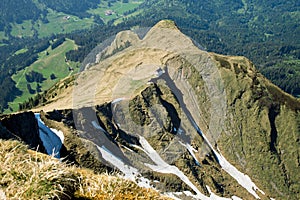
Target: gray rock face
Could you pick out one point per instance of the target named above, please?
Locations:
(22, 126)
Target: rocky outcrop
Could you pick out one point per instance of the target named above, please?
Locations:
(21, 126)
(75, 150)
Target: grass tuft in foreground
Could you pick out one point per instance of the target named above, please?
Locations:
(26, 174)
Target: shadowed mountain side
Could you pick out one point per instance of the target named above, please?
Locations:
(22, 127)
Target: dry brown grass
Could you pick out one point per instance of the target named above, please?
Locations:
(26, 174)
(112, 187)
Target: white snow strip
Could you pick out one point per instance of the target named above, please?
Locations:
(118, 100)
(136, 146)
(191, 150)
(51, 141)
(236, 198)
(108, 151)
(163, 167)
(243, 179)
(127, 148)
(60, 134)
(130, 173)
(96, 125)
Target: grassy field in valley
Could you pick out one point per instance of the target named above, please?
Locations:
(62, 23)
(59, 22)
(118, 9)
(51, 61)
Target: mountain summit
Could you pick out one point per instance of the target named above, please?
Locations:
(170, 116)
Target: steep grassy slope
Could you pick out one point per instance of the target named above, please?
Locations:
(264, 128)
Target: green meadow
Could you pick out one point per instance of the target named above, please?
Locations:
(50, 61)
(22, 30)
(118, 9)
(59, 22)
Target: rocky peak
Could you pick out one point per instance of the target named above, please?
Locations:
(168, 24)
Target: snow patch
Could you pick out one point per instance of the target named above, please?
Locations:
(236, 198)
(191, 150)
(117, 100)
(243, 179)
(51, 141)
(130, 173)
(96, 125)
(60, 134)
(163, 167)
(127, 148)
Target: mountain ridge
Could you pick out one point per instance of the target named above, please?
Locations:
(120, 44)
(164, 102)
(247, 28)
